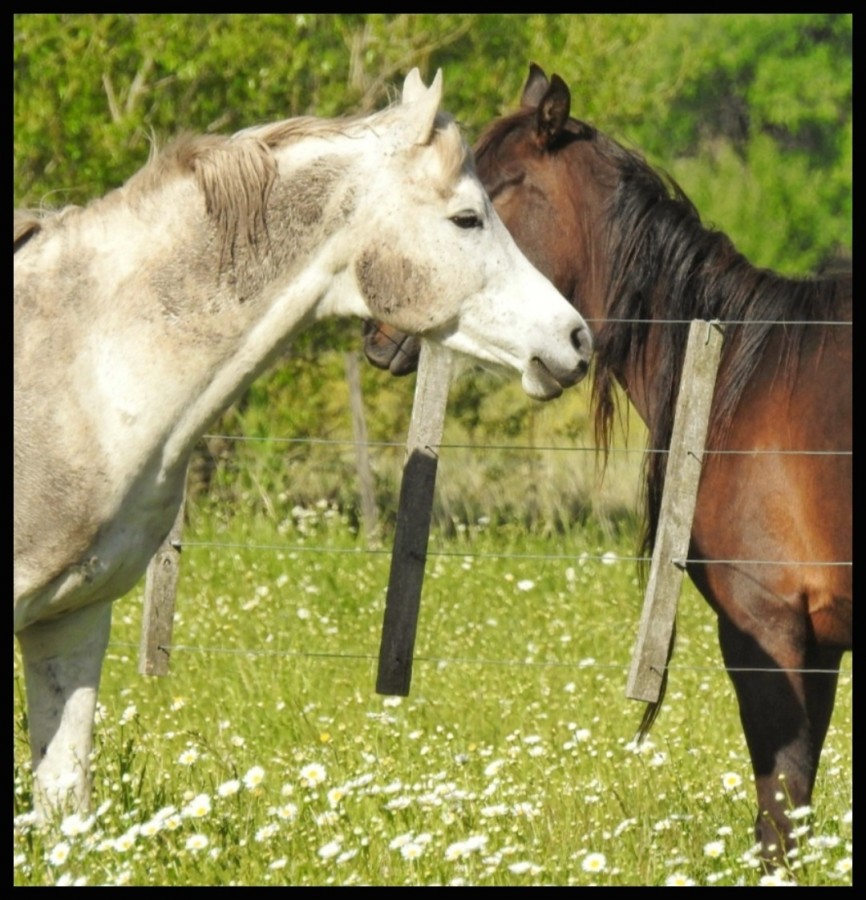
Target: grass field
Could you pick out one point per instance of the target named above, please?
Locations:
(266, 757)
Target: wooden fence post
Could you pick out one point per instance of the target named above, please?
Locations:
(682, 475)
(414, 514)
(369, 513)
(160, 588)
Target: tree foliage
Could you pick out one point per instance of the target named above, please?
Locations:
(752, 114)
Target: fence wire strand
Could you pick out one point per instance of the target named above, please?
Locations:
(528, 448)
(462, 660)
(466, 554)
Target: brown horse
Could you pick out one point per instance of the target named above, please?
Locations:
(771, 540)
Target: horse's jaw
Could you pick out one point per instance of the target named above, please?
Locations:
(538, 382)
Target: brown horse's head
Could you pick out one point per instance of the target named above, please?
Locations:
(542, 171)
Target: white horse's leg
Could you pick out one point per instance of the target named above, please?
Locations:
(62, 664)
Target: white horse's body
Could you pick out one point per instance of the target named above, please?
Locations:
(141, 317)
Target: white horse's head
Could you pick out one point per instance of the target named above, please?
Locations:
(434, 259)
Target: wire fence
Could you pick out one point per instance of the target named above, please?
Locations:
(467, 553)
(257, 653)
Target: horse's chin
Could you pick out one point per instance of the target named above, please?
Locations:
(538, 383)
(405, 360)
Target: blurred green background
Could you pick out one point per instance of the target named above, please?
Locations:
(752, 114)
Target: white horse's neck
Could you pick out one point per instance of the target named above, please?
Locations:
(193, 334)
(165, 339)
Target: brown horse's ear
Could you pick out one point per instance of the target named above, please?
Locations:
(536, 85)
(553, 110)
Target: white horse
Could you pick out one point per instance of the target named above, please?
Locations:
(141, 317)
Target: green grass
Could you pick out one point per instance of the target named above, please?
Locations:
(266, 757)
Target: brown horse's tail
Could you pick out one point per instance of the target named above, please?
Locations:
(653, 709)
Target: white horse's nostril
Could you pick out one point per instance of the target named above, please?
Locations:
(581, 340)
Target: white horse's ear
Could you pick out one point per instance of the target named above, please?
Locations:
(425, 104)
(413, 86)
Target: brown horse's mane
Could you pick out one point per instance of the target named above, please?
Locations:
(665, 264)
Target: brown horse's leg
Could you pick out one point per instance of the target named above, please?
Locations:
(775, 707)
(820, 690)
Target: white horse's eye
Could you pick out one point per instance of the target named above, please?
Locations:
(467, 219)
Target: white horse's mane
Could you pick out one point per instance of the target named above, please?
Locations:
(236, 172)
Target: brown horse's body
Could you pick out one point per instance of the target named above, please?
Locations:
(794, 615)
(771, 539)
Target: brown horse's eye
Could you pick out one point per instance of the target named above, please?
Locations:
(467, 220)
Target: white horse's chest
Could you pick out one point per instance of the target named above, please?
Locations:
(114, 559)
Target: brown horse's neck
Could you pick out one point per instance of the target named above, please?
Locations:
(665, 269)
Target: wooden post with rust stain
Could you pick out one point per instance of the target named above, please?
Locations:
(369, 513)
(414, 513)
(160, 587)
(697, 384)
